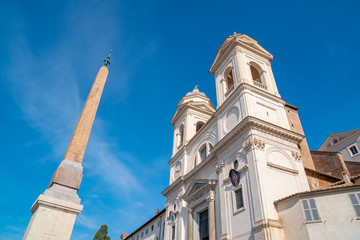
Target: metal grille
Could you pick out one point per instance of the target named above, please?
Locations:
(173, 232)
(239, 198)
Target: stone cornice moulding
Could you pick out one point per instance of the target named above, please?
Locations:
(232, 47)
(338, 144)
(187, 106)
(282, 168)
(228, 101)
(246, 86)
(245, 124)
(299, 195)
(55, 203)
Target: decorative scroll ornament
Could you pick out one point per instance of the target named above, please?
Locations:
(254, 143)
(296, 155)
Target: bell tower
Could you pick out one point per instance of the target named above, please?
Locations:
(242, 68)
(251, 112)
(192, 113)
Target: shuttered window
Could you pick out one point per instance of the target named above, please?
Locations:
(355, 200)
(310, 210)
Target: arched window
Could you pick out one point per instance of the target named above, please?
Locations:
(229, 82)
(181, 135)
(255, 74)
(199, 125)
(203, 152)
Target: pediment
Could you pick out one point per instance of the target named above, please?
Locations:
(199, 106)
(340, 137)
(199, 186)
(242, 40)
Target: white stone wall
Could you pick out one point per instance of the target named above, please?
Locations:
(338, 218)
(154, 230)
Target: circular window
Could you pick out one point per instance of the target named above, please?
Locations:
(236, 164)
(334, 141)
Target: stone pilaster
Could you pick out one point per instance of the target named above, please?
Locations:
(191, 225)
(212, 223)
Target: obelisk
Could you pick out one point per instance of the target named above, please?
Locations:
(54, 211)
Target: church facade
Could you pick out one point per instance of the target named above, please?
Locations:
(244, 169)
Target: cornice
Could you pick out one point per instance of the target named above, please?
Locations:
(342, 142)
(190, 106)
(246, 86)
(339, 188)
(246, 124)
(231, 47)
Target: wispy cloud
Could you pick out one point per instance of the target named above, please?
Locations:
(45, 85)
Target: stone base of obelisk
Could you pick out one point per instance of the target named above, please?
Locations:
(54, 214)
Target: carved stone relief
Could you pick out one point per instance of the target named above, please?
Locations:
(296, 155)
(254, 143)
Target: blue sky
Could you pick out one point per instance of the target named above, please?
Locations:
(52, 50)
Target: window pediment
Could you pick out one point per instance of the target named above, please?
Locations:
(198, 187)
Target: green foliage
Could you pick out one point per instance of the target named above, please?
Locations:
(101, 234)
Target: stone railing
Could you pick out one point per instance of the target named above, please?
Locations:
(229, 91)
(260, 85)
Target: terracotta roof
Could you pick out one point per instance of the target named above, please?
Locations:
(151, 219)
(337, 185)
(316, 172)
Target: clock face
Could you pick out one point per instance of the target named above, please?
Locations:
(234, 177)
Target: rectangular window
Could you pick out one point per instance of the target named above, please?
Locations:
(354, 150)
(173, 232)
(310, 210)
(142, 234)
(204, 225)
(147, 231)
(239, 199)
(355, 200)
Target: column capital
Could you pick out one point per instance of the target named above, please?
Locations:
(220, 167)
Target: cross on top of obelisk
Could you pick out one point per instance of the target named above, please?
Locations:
(107, 60)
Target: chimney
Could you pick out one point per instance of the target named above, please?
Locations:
(156, 212)
(346, 177)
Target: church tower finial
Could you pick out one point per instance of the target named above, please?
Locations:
(60, 203)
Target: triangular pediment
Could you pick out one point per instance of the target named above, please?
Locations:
(199, 186)
(243, 41)
(197, 106)
(336, 139)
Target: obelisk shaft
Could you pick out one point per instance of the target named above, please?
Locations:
(69, 173)
(77, 146)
